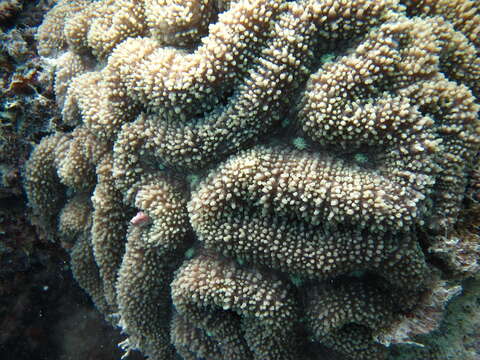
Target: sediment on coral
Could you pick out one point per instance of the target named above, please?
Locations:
(251, 179)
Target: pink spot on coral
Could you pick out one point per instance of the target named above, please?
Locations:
(140, 219)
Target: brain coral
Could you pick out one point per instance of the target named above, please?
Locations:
(254, 179)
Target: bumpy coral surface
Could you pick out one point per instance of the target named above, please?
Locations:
(250, 179)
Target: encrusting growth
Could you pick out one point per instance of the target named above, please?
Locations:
(251, 179)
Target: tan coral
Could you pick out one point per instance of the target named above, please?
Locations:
(351, 92)
(109, 229)
(173, 102)
(69, 65)
(207, 284)
(180, 87)
(76, 217)
(291, 211)
(340, 314)
(463, 14)
(42, 184)
(102, 25)
(76, 159)
(192, 342)
(75, 226)
(86, 272)
(179, 22)
(51, 36)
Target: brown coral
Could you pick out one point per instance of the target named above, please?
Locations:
(463, 14)
(247, 313)
(349, 310)
(284, 209)
(181, 115)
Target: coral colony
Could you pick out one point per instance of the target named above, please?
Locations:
(229, 194)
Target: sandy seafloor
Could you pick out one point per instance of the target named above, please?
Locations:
(43, 312)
